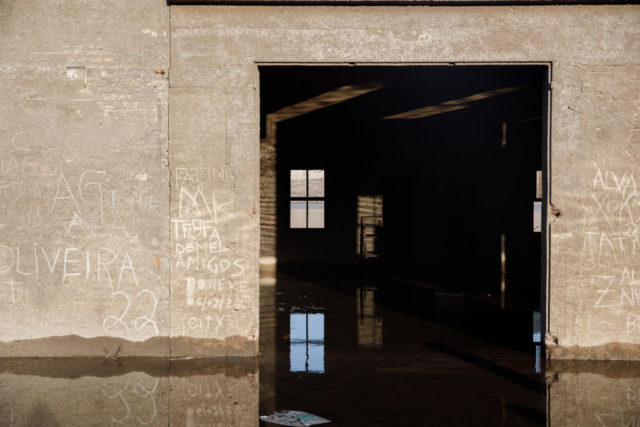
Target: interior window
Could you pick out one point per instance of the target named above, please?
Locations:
(306, 205)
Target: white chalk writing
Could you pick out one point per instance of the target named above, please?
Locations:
(611, 245)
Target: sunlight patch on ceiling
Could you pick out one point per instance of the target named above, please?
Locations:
(452, 105)
(324, 100)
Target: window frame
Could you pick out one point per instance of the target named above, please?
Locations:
(308, 199)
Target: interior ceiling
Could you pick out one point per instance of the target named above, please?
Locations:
(391, 93)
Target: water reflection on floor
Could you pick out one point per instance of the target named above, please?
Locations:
(384, 366)
(336, 353)
(306, 338)
(86, 392)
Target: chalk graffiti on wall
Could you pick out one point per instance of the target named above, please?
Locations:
(76, 229)
(40, 188)
(212, 277)
(611, 245)
(611, 221)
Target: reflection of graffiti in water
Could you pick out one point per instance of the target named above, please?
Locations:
(111, 391)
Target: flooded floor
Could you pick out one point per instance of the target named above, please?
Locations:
(355, 353)
(369, 360)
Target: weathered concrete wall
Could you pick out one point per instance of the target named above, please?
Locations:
(594, 152)
(130, 211)
(214, 163)
(84, 216)
(595, 243)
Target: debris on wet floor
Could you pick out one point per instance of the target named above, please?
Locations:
(294, 418)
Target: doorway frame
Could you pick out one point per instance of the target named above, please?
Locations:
(546, 114)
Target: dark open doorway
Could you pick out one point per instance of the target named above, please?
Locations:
(402, 209)
(425, 180)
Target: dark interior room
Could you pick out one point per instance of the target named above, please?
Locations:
(416, 189)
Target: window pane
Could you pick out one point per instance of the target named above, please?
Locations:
(316, 213)
(538, 184)
(298, 183)
(316, 183)
(298, 213)
(537, 216)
